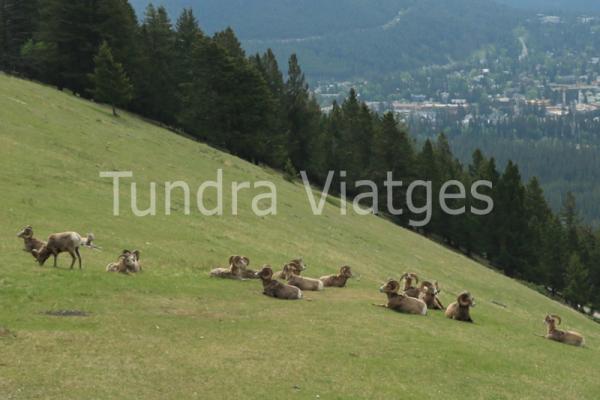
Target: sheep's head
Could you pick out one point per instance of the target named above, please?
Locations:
(301, 266)
(240, 262)
(429, 288)
(128, 258)
(26, 232)
(346, 271)
(265, 273)
(409, 277)
(466, 300)
(551, 319)
(41, 255)
(136, 254)
(392, 286)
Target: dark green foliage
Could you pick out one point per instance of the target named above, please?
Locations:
(110, 82)
(18, 22)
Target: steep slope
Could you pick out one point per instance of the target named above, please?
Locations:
(172, 332)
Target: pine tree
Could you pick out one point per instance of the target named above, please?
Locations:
(577, 290)
(18, 22)
(230, 43)
(110, 83)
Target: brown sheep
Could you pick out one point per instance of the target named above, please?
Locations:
(459, 310)
(59, 243)
(338, 280)
(409, 289)
(567, 337)
(30, 243)
(237, 266)
(300, 282)
(125, 263)
(87, 241)
(429, 292)
(274, 288)
(401, 302)
(297, 265)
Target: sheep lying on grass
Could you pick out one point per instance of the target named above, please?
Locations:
(401, 302)
(59, 243)
(30, 243)
(297, 265)
(338, 280)
(289, 274)
(274, 288)
(237, 269)
(409, 289)
(126, 263)
(459, 310)
(567, 337)
(429, 292)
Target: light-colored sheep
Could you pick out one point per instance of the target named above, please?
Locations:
(237, 266)
(401, 302)
(429, 292)
(409, 289)
(567, 337)
(296, 264)
(274, 288)
(59, 243)
(338, 280)
(125, 263)
(459, 310)
(29, 242)
(300, 282)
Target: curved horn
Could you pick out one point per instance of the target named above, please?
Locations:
(557, 317)
(403, 276)
(463, 299)
(415, 277)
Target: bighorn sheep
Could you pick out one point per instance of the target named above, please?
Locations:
(409, 289)
(237, 266)
(338, 280)
(567, 337)
(274, 288)
(459, 310)
(30, 243)
(289, 274)
(296, 264)
(126, 263)
(87, 241)
(429, 292)
(401, 302)
(59, 243)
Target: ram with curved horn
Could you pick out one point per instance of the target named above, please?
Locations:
(429, 294)
(567, 337)
(400, 301)
(459, 310)
(409, 289)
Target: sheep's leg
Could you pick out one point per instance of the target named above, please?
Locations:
(73, 258)
(55, 256)
(78, 256)
(380, 305)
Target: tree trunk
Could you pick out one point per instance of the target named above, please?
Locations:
(115, 111)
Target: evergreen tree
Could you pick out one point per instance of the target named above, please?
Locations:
(577, 290)
(230, 43)
(110, 83)
(18, 22)
(155, 84)
(302, 117)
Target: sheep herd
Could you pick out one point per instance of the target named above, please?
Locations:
(289, 283)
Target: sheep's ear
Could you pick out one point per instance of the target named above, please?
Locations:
(231, 259)
(247, 260)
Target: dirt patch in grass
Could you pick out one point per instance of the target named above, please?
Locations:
(66, 313)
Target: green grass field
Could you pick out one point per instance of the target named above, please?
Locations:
(174, 333)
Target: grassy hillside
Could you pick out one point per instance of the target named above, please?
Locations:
(172, 332)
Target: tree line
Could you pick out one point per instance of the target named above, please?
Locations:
(208, 87)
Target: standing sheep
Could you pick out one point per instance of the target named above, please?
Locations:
(338, 280)
(401, 302)
(274, 288)
(459, 310)
(30, 243)
(567, 337)
(59, 243)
